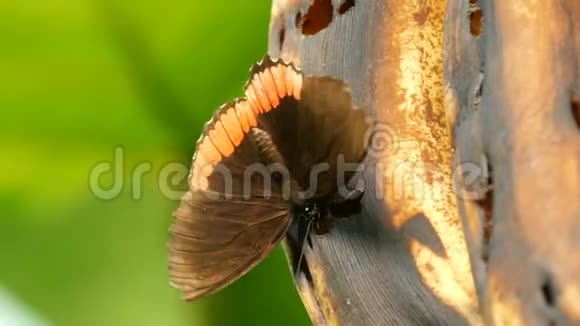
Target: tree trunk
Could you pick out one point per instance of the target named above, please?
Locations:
(472, 195)
(403, 260)
(511, 74)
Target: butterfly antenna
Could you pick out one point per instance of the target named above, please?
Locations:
(303, 246)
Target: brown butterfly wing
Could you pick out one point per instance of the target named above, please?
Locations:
(313, 124)
(222, 228)
(214, 243)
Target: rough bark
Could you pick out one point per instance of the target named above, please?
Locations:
(403, 260)
(480, 157)
(511, 74)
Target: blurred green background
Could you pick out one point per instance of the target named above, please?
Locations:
(77, 79)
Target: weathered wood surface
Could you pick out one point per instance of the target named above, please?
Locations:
(511, 74)
(478, 102)
(403, 260)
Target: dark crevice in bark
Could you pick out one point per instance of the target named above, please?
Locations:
(478, 93)
(549, 291)
(298, 19)
(486, 206)
(282, 37)
(575, 107)
(550, 297)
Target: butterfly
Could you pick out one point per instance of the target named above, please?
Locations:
(262, 162)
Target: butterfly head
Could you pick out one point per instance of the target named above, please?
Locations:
(311, 211)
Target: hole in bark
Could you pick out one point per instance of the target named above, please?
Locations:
(282, 37)
(317, 18)
(345, 6)
(475, 18)
(486, 205)
(575, 106)
(550, 295)
(549, 291)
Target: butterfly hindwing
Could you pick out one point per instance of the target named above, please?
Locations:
(229, 220)
(213, 244)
